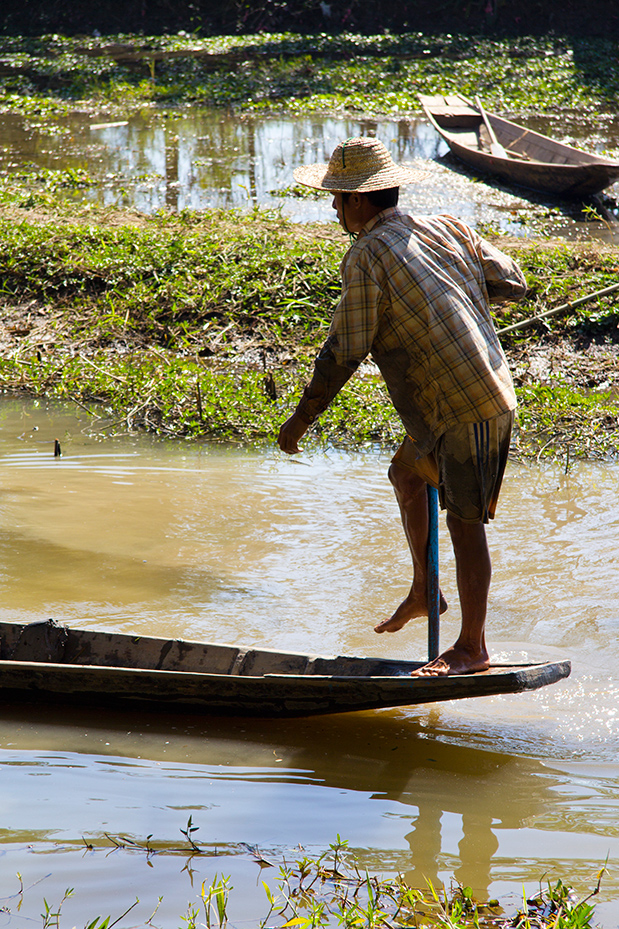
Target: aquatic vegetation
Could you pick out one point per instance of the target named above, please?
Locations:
(333, 889)
(308, 73)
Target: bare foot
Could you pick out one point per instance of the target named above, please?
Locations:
(456, 660)
(415, 605)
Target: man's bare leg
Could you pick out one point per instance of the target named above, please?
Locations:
(473, 573)
(411, 494)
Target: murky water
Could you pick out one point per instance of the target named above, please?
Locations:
(183, 539)
(198, 159)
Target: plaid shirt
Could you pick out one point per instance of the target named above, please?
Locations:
(415, 295)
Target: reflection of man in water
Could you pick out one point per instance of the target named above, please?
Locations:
(415, 294)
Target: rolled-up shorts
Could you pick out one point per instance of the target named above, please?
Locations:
(466, 466)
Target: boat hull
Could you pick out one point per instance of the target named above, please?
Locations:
(144, 673)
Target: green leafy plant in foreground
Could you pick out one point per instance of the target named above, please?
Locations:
(51, 916)
(332, 891)
(214, 899)
(558, 907)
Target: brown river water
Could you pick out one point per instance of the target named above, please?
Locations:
(135, 534)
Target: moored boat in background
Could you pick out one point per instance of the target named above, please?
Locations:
(515, 154)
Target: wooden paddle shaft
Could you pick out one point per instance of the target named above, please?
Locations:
(493, 139)
(434, 592)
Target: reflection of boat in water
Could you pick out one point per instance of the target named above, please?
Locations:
(515, 154)
(409, 791)
(45, 661)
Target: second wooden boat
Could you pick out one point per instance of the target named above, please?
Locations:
(45, 662)
(516, 154)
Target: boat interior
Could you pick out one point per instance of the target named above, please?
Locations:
(459, 119)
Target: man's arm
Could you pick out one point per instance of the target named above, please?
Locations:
(328, 379)
(504, 279)
(350, 339)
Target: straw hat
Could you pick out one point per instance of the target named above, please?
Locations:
(357, 164)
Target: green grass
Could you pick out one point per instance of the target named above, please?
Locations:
(332, 890)
(555, 416)
(206, 325)
(561, 273)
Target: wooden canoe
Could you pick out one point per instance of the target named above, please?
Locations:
(528, 158)
(46, 662)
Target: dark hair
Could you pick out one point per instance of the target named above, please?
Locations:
(380, 198)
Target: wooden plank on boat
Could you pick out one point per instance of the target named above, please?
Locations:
(46, 662)
(529, 159)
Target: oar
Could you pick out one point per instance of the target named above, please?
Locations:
(495, 146)
(434, 592)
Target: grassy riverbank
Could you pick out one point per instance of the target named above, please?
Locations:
(206, 325)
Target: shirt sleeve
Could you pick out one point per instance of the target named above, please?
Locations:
(504, 279)
(350, 338)
(327, 380)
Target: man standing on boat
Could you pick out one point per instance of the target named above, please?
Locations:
(415, 295)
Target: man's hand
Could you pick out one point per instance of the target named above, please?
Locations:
(290, 433)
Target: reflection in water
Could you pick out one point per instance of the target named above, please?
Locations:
(404, 801)
(184, 540)
(199, 159)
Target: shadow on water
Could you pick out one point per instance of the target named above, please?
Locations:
(108, 575)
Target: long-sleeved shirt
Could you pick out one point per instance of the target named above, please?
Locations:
(415, 295)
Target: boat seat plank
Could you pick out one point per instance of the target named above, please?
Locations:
(456, 111)
(449, 104)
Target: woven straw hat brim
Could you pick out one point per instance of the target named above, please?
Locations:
(318, 177)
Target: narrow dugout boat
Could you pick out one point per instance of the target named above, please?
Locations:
(48, 663)
(516, 154)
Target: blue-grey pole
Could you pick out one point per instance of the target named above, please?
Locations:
(433, 581)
